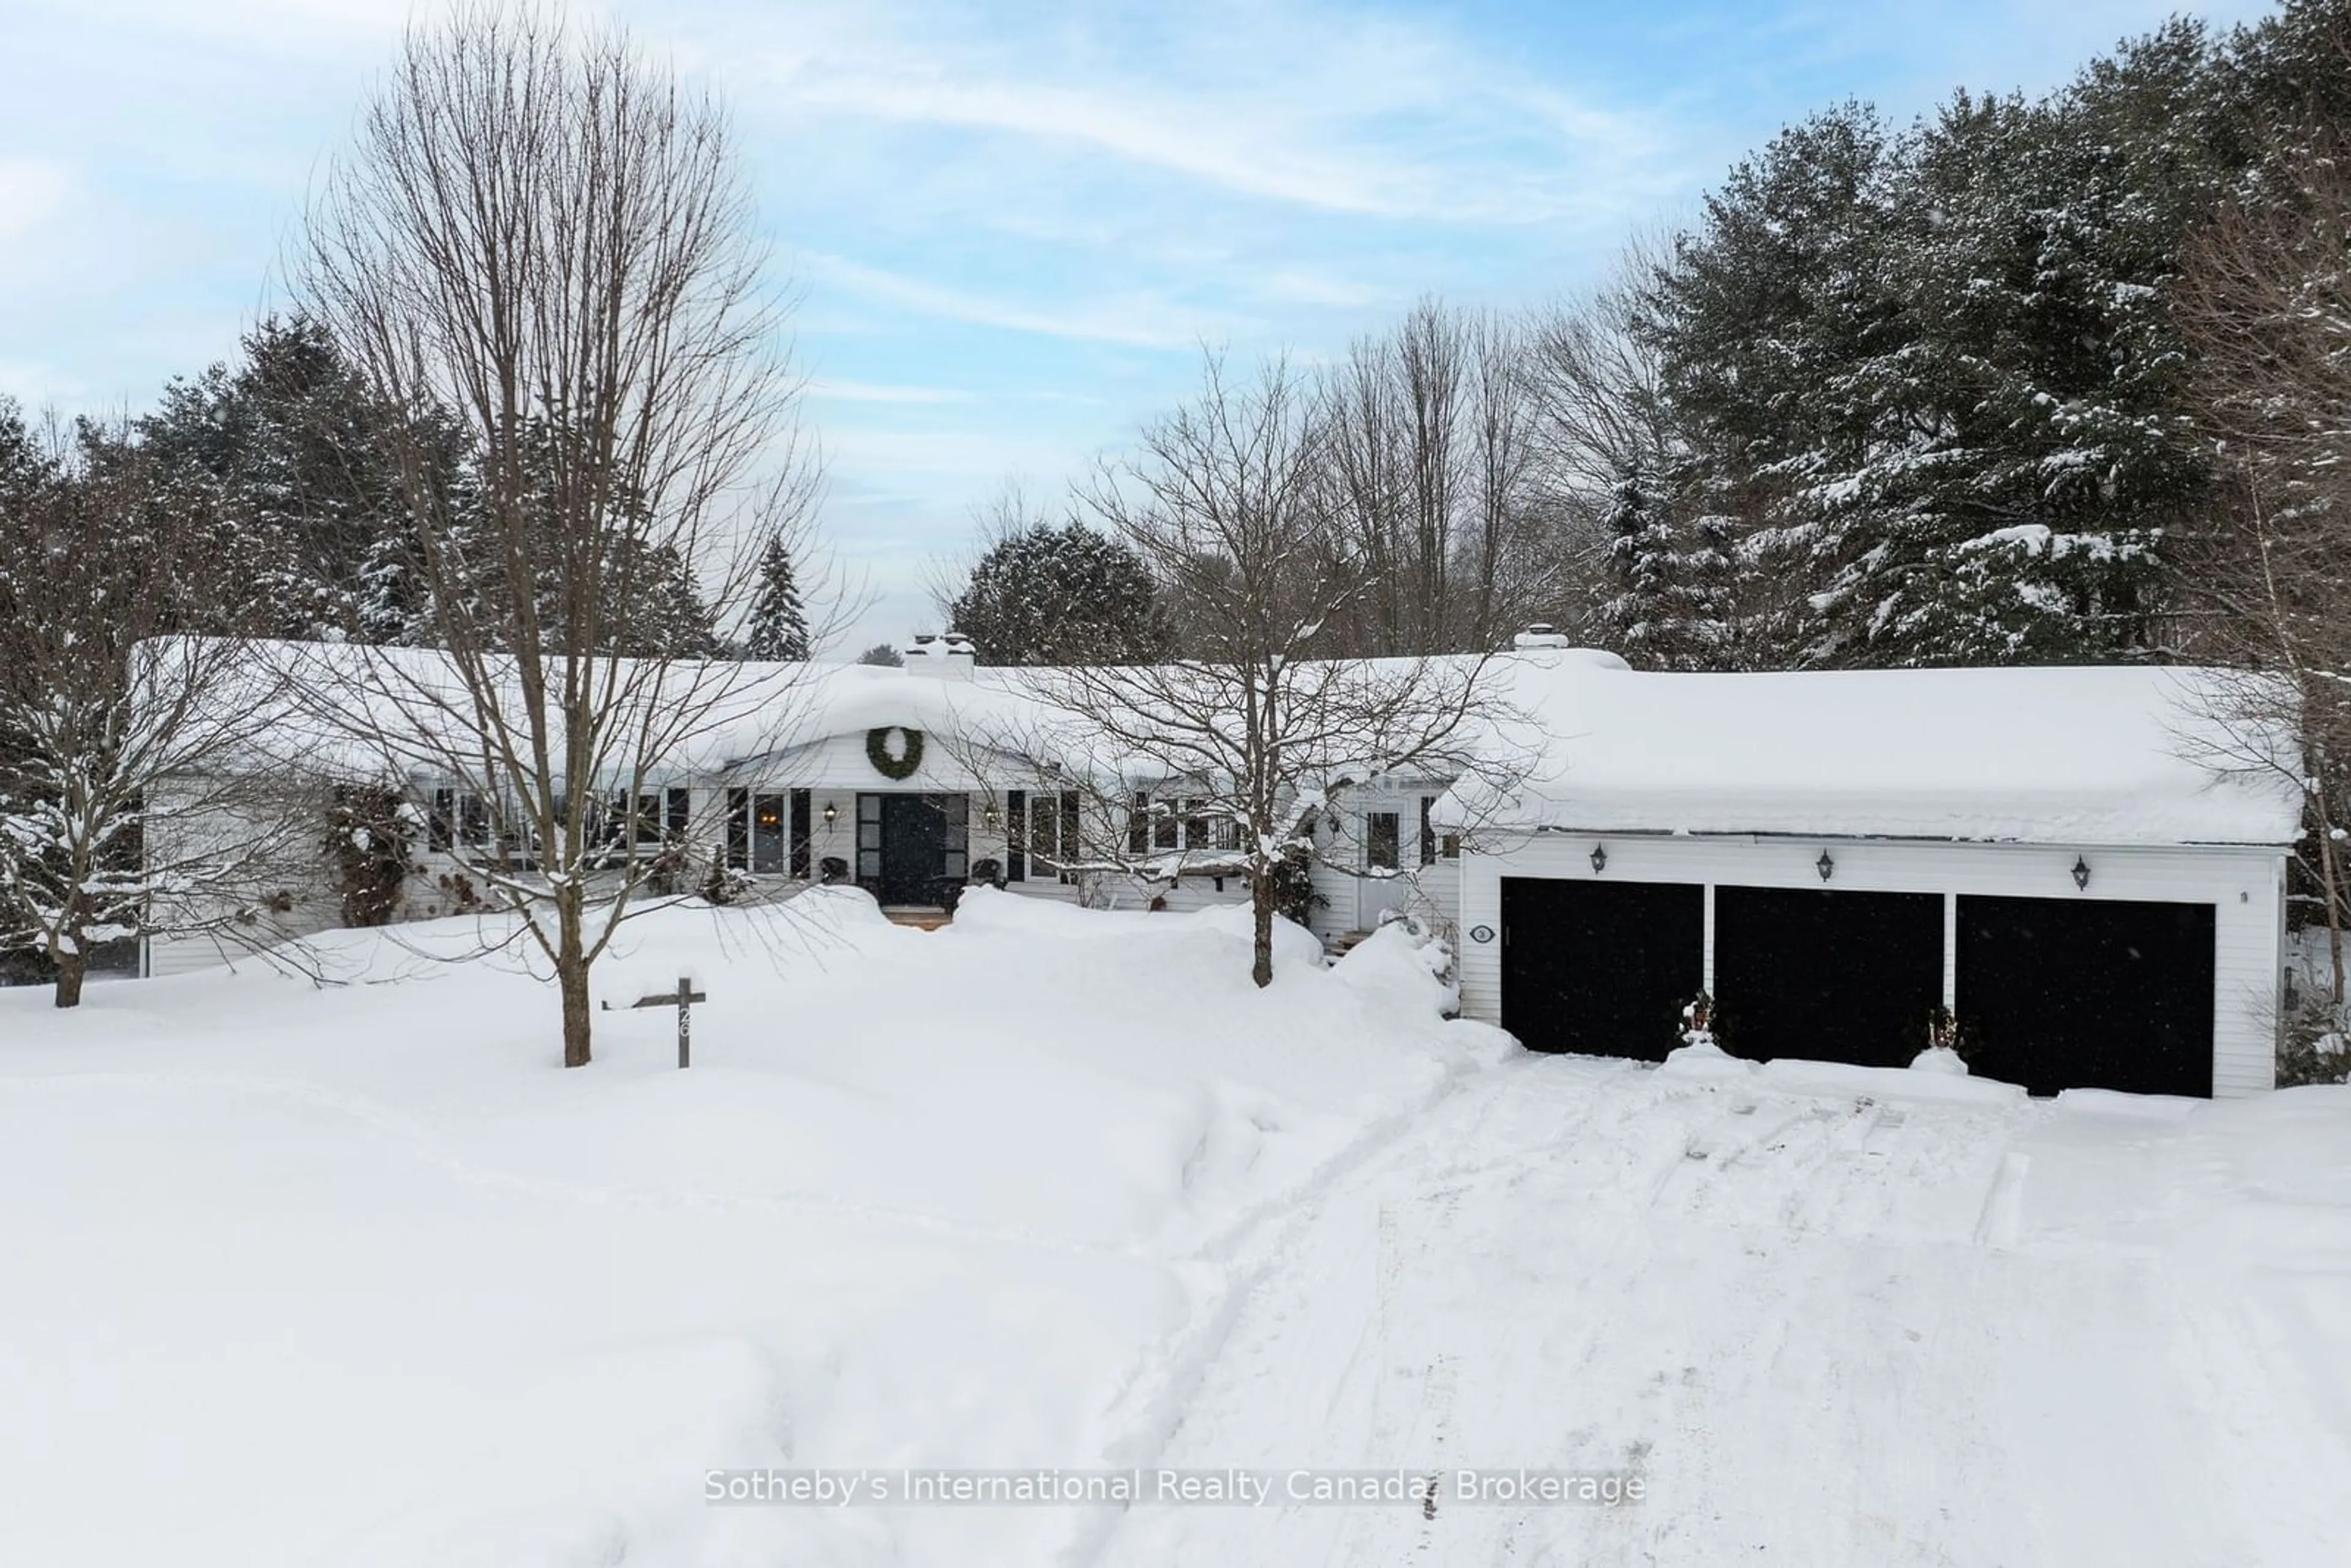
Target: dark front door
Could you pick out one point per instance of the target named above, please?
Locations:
(1825, 976)
(2065, 993)
(910, 847)
(1601, 967)
(914, 848)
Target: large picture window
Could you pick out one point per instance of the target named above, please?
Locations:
(1172, 821)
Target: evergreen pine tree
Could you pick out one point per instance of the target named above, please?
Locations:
(1633, 617)
(1066, 595)
(778, 625)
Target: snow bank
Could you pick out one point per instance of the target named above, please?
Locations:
(360, 1275)
(1837, 1080)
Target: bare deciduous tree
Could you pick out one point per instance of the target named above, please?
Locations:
(2264, 302)
(1430, 485)
(117, 726)
(1255, 725)
(548, 236)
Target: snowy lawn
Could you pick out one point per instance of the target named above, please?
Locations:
(359, 1276)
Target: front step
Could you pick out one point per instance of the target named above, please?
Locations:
(921, 919)
(1340, 944)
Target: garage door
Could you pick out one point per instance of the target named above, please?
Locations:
(1604, 967)
(1829, 976)
(2065, 993)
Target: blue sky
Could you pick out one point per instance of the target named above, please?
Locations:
(1009, 226)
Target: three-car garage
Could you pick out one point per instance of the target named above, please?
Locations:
(2049, 992)
(2081, 870)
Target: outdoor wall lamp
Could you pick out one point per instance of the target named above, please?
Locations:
(989, 818)
(2080, 873)
(1599, 859)
(830, 813)
(1825, 866)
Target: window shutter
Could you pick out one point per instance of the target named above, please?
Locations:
(802, 864)
(738, 829)
(1016, 835)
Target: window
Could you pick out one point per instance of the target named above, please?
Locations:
(1381, 831)
(767, 831)
(458, 816)
(954, 810)
(1052, 845)
(1182, 822)
(659, 814)
(1434, 845)
(868, 839)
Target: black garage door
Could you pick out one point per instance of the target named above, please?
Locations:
(1829, 976)
(1604, 967)
(2065, 993)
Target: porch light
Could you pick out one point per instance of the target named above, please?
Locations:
(2080, 873)
(830, 813)
(990, 817)
(1599, 859)
(1825, 866)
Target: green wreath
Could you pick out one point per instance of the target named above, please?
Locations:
(877, 752)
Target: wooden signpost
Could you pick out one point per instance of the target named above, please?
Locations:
(682, 999)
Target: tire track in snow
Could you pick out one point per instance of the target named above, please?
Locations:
(1754, 1298)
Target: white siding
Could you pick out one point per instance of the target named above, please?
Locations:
(2246, 887)
(284, 891)
(1350, 901)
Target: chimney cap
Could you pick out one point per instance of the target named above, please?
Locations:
(1540, 634)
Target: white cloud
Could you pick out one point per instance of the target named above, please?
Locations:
(1139, 320)
(1290, 103)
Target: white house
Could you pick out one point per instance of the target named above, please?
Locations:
(2050, 854)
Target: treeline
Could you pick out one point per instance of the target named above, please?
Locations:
(1901, 395)
(295, 475)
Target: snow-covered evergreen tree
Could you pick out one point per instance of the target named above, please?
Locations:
(1048, 595)
(778, 626)
(294, 461)
(104, 559)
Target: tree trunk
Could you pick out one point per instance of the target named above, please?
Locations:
(71, 970)
(1261, 907)
(571, 976)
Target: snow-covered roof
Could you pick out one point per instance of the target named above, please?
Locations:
(2090, 755)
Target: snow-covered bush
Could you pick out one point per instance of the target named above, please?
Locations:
(367, 841)
(1698, 1023)
(2314, 1043)
(724, 884)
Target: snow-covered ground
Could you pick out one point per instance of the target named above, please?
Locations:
(359, 1276)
